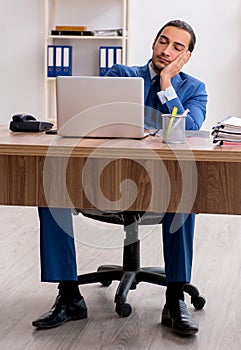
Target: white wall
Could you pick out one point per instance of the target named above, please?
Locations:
(216, 58)
(21, 59)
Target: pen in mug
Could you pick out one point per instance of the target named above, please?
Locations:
(184, 114)
(174, 113)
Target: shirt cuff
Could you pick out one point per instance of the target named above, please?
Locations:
(167, 95)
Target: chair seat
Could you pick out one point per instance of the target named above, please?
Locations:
(119, 217)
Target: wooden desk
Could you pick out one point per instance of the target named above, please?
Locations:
(40, 170)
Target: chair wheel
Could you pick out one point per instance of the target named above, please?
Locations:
(106, 283)
(198, 302)
(123, 310)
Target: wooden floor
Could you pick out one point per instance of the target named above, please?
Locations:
(217, 273)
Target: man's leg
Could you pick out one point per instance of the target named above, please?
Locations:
(58, 264)
(57, 249)
(178, 234)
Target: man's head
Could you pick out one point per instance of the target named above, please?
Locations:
(172, 39)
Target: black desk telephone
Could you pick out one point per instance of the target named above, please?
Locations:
(28, 123)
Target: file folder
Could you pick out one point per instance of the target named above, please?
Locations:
(58, 61)
(67, 60)
(51, 60)
(109, 55)
(118, 55)
(227, 130)
(103, 60)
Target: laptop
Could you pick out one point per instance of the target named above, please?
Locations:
(94, 106)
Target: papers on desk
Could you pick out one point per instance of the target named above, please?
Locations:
(227, 130)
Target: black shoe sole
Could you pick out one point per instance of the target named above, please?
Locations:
(168, 323)
(54, 325)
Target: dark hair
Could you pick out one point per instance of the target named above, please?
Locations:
(182, 25)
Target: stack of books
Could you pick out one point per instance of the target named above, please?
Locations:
(227, 130)
(71, 30)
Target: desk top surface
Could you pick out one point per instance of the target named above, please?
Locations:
(39, 144)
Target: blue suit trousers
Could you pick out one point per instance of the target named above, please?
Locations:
(58, 256)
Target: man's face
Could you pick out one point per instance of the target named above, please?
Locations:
(171, 42)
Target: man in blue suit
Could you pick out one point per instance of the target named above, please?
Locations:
(165, 86)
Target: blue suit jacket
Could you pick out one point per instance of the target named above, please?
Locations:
(191, 94)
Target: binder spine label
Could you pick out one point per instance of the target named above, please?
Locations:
(51, 60)
(58, 61)
(67, 60)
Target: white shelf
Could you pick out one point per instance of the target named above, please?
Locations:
(95, 15)
(83, 37)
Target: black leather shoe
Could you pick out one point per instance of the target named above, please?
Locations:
(62, 311)
(179, 319)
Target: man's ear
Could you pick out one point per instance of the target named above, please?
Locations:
(153, 45)
(189, 54)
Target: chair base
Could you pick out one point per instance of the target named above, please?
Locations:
(129, 280)
(130, 274)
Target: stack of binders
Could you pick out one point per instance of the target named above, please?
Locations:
(59, 60)
(109, 55)
(227, 130)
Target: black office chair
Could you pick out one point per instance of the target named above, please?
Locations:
(130, 273)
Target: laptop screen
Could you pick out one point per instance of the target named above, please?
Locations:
(93, 106)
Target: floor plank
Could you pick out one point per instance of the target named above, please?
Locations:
(217, 271)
